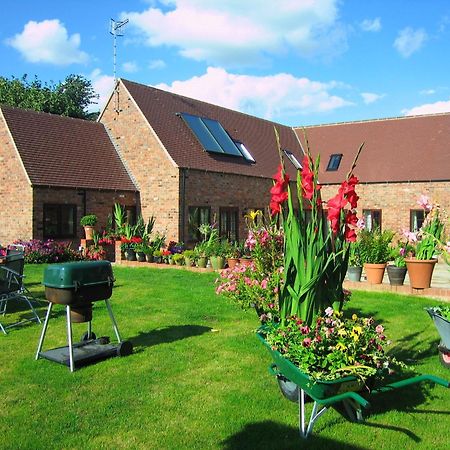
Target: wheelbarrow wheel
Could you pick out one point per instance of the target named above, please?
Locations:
(288, 388)
(444, 356)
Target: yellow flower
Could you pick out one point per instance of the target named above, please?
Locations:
(341, 332)
(341, 346)
(355, 317)
(356, 332)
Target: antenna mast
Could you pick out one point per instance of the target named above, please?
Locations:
(116, 30)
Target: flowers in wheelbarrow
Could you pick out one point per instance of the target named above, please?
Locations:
(333, 347)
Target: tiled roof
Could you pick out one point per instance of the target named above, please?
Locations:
(415, 148)
(160, 109)
(65, 152)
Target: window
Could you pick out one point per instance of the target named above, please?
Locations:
(197, 215)
(416, 218)
(228, 223)
(334, 162)
(59, 221)
(245, 153)
(213, 137)
(372, 219)
(292, 159)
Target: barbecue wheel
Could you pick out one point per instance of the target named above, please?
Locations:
(86, 337)
(125, 348)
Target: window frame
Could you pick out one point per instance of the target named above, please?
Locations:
(373, 225)
(198, 208)
(59, 226)
(225, 232)
(332, 165)
(411, 219)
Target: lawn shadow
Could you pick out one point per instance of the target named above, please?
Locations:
(167, 334)
(269, 435)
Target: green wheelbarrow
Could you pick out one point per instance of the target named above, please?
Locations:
(443, 327)
(345, 392)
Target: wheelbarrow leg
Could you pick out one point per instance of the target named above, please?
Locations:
(315, 414)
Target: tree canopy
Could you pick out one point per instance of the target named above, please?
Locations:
(70, 97)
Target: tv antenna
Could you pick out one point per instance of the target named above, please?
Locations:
(116, 29)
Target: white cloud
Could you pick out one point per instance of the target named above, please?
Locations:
(371, 25)
(370, 97)
(428, 108)
(157, 64)
(270, 97)
(48, 42)
(242, 32)
(103, 86)
(428, 92)
(410, 41)
(130, 67)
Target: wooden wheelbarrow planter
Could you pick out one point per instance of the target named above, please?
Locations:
(294, 383)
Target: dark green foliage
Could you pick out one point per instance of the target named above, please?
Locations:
(374, 246)
(70, 97)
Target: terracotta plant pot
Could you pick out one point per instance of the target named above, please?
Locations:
(245, 261)
(232, 262)
(396, 275)
(88, 232)
(420, 272)
(374, 272)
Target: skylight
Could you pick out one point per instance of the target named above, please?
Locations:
(334, 162)
(292, 159)
(213, 137)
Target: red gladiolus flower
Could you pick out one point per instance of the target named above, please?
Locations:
(335, 206)
(279, 191)
(307, 177)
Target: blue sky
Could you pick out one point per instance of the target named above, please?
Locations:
(297, 62)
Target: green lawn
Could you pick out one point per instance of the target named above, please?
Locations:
(198, 377)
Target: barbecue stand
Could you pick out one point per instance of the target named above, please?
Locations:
(77, 285)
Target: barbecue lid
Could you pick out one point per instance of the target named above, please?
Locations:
(77, 274)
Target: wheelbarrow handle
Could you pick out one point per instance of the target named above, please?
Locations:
(410, 381)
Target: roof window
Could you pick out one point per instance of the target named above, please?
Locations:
(292, 158)
(334, 162)
(213, 137)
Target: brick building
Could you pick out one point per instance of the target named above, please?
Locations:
(186, 161)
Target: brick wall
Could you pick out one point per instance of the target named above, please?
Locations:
(225, 190)
(100, 203)
(395, 200)
(156, 176)
(15, 192)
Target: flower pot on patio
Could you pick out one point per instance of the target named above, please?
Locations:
(354, 273)
(420, 272)
(217, 262)
(202, 262)
(232, 262)
(140, 256)
(396, 275)
(374, 272)
(130, 255)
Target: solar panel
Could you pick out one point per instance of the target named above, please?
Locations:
(202, 133)
(222, 137)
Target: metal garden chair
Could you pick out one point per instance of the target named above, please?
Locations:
(12, 287)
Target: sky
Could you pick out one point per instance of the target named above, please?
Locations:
(296, 62)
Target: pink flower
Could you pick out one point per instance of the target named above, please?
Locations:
(264, 283)
(425, 203)
(329, 311)
(361, 224)
(412, 237)
(304, 330)
(379, 329)
(306, 342)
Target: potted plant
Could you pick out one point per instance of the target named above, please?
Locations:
(397, 270)
(354, 270)
(189, 257)
(426, 246)
(157, 256)
(140, 248)
(148, 252)
(375, 252)
(178, 259)
(88, 222)
(233, 254)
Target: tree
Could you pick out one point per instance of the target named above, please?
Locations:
(70, 98)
